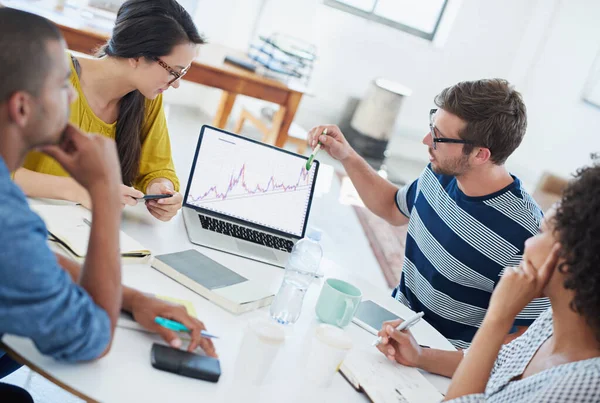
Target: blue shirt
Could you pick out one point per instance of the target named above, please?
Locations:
(38, 299)
(457, 248)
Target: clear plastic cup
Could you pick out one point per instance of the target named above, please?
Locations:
(260, 345)
(329, 347)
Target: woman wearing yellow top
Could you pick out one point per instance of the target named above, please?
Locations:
(120, 96)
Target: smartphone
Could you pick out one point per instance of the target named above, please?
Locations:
(185, 363)
(154, 197)
(371, 316)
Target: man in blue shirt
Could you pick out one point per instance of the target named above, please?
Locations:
(468, 217)
(69, 311)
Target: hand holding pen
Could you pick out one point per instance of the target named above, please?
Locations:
(398, 344)
(333, 142)
(197, 337)
(405, 325)
(178, 327)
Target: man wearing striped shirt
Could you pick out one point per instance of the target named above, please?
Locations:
(468, 217)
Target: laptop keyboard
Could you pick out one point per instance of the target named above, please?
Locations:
(247, 234)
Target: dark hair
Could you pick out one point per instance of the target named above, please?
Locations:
(577, 226)
(495, 114)
(148, 29)
(24, 58)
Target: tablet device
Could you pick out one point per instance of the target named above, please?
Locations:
(371, 316)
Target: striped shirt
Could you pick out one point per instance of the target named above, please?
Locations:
(457, 248)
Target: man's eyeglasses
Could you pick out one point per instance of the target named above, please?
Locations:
(437, 139)
(176, 75)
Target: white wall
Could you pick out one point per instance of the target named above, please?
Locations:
(546, 47)
(563, 130)
(227, 22)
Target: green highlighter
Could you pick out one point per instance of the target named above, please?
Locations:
(314, 153)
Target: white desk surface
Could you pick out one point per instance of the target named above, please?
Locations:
(125, 374)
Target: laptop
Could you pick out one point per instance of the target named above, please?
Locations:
(247, 198)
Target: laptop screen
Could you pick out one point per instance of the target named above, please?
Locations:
(250, 181)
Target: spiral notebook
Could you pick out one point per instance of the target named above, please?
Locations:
(384, 381)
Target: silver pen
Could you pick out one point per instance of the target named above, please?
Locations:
(407, 324)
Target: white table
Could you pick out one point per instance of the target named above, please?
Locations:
(125, 374)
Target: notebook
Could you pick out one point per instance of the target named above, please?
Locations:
(70, 226)
(384, 381)
(213, 281)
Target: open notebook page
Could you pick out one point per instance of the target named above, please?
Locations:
(67, 224)
(385, 381)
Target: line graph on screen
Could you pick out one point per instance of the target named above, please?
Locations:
(252, 182)
(239, 188)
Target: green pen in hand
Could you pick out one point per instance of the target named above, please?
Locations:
(178, 327)
(314, 153)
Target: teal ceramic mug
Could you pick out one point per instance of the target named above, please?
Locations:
(338, 302)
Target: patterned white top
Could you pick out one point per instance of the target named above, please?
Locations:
(573, 382)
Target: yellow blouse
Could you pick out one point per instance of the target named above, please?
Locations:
(155, 160)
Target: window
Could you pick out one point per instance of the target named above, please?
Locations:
(417, 17)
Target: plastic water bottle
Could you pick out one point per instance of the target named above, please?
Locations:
(300, 270)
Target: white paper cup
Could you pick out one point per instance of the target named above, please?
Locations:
(262, 341)
(329, 347)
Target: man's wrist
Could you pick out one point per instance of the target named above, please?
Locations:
(352, 158)
(130, 298)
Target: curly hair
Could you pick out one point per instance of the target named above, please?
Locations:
(577, 225)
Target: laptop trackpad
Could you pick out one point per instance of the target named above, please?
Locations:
(255, 250)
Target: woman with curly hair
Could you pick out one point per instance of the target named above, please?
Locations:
(558, 358)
